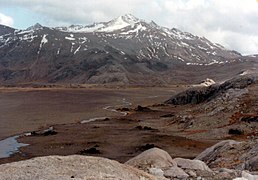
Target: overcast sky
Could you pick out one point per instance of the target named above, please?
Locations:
(232, 23)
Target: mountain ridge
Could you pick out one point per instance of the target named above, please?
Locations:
(124, 50)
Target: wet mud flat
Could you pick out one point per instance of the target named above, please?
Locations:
(118, 138)
(28, 109)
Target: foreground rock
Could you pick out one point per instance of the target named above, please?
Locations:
(160, 164)
(154, 163)
(70, 167)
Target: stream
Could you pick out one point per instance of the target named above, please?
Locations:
(109, 108)
(10, 146)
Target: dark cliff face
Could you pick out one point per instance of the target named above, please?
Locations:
(5, 30)
(138, 52)
(202, 94)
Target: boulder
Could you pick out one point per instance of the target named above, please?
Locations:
(70, 167)
(223, 175)
(192, 164)
(152, 158)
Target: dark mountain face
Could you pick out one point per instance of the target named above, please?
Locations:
(5, 30)
(124, 50)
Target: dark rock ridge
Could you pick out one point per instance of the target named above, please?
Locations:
(232, 154)
(201, 94)
(124, 50)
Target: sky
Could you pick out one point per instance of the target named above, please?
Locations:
(232, 23)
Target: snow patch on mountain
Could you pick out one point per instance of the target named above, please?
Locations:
(70, 38)
(43, 41)
(81, 29)
(136, 30)
(77, 50)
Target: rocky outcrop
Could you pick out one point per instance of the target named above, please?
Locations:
(70, 167)
(202, 94)
(209, 153)
(224, 154)
(232, 154)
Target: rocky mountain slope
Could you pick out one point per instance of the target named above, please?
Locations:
(124, 50)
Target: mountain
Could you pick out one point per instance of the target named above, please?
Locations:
(125, 50)
(5, 30)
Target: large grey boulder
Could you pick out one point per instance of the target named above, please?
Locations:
(192, 164)
(152, 158)
(70, 167)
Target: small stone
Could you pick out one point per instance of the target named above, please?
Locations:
(226, 170)
(175, 172)
(156, 172)
(249, 176)
(223, 175)
(192, 173)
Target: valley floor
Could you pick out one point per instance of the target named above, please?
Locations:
(181, 130)
(27, 109)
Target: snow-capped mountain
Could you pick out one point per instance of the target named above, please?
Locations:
(113, 25)
(125, 49)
